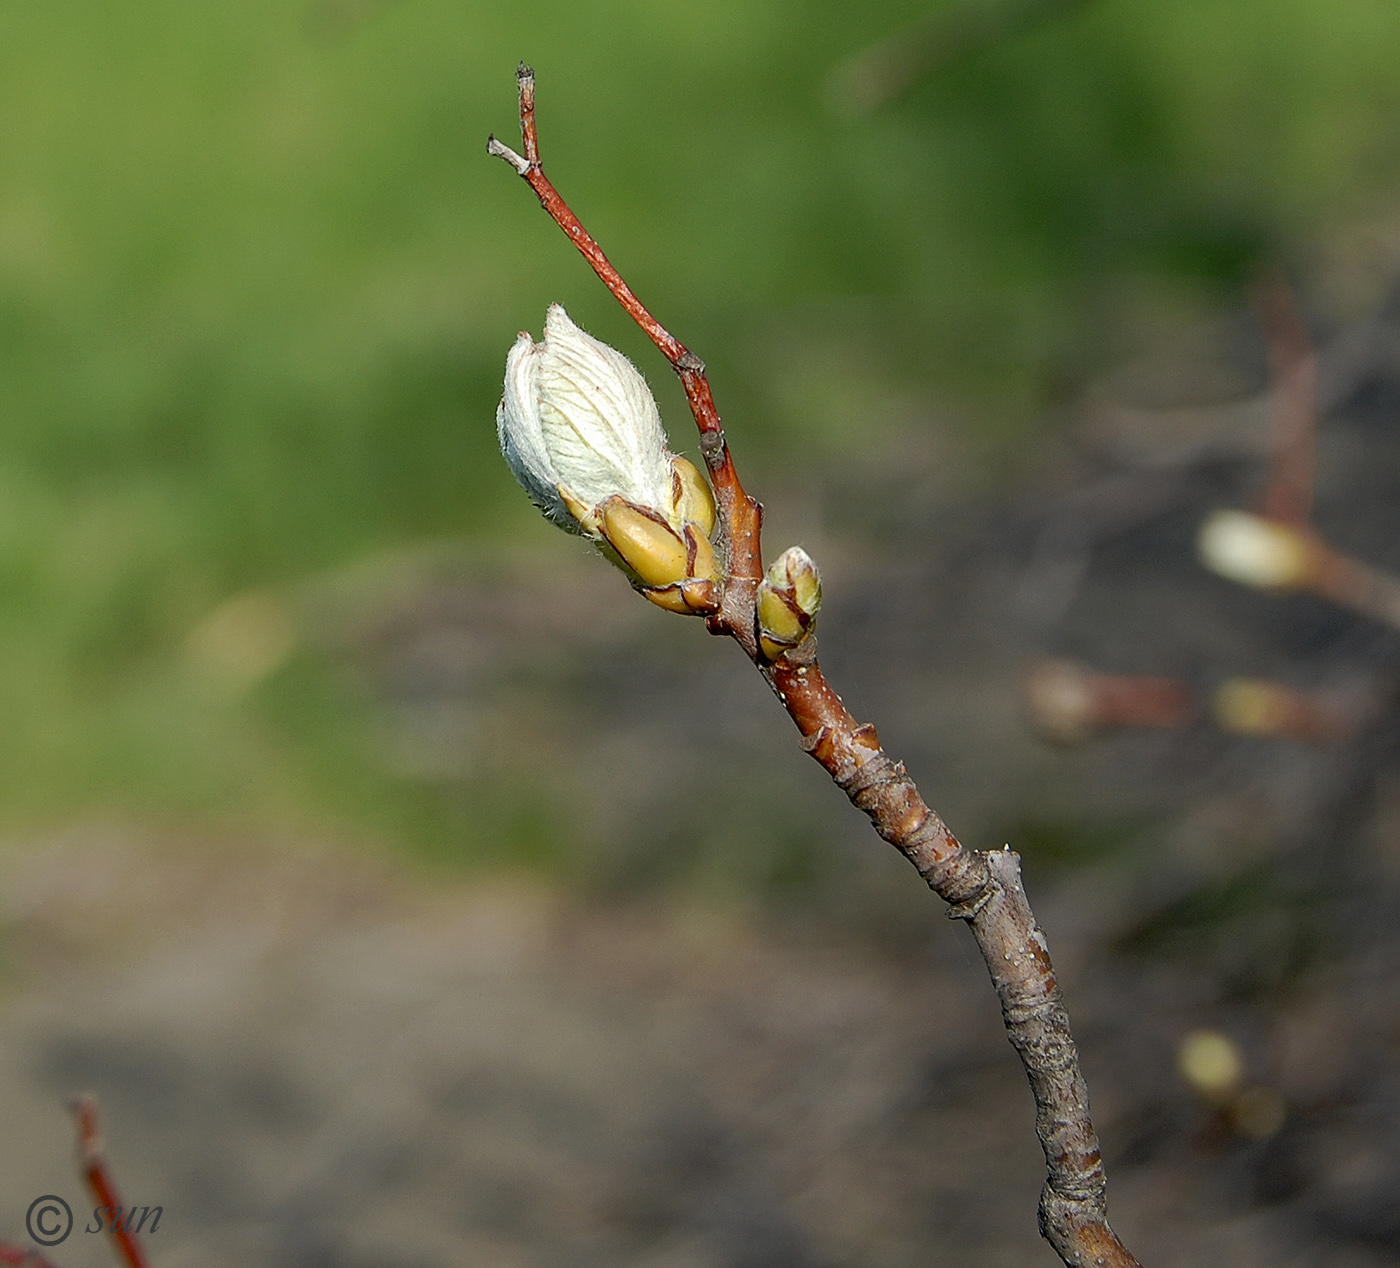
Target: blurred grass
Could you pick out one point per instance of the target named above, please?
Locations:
(258, 277)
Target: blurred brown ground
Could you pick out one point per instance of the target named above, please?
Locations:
(309, 1061)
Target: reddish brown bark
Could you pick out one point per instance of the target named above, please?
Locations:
(983, 888)
(1356, 585)
(99, 1181)
(1293, 402)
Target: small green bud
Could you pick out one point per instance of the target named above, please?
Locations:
(788, 600)
(1211, 1063)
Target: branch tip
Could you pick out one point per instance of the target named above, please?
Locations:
(525, 78)
(84, 1110)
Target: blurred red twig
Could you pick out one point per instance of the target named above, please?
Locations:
(1288, 495)
(1280, 549)
(20, 1257)
(1072, 703)
(99, 1181)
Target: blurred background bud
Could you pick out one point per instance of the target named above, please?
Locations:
(1211, 1063)
(1258, 552)
(1258, 1113)
(1213, 1066)
(578, 424)
(1257, 706)
(242, 641)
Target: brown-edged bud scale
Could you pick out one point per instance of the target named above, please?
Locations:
(677, 571)
(789, 597)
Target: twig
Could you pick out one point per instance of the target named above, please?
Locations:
(1292, 401)
(1356, 585)
(99, 1180)
(1071, 703)
(983, 887)
(1270, 554)
(1280, 549)
(1262, 707)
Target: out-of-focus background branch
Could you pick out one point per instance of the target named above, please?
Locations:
(309, 721)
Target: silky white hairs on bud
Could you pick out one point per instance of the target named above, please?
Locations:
(577, 416)
(522, 440)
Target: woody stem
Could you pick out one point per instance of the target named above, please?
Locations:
(99, 1181)
(983, 888)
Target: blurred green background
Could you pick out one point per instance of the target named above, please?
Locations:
(258, 278)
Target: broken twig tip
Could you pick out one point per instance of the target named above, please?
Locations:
(501, 150)
(84, 1109)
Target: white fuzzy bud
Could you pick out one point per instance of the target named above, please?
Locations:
(578, 425)
(1256, 552)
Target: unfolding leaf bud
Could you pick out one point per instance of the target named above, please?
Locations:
(1258, 552)
(788, 600)
(581, 432)
(577, 424)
